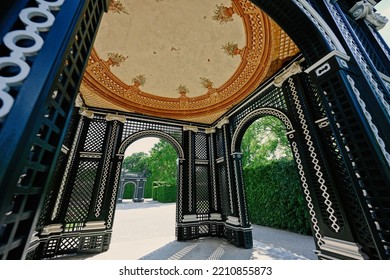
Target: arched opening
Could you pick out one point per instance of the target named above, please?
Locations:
(275, 199)
(274, 194)
(145, 222)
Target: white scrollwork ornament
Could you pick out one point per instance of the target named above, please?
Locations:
(295, 68)
(364, 10)
(322, 69)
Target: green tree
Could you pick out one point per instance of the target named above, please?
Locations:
(136, 162)
(265, 140)
(162, 162)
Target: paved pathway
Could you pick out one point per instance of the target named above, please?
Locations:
(147, 231)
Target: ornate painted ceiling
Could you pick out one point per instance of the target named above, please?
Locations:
(182, 59)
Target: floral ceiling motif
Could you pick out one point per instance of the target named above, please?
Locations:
(118, 7)
(116, 59)
(231, 49)
(194, 75)
(223, 14)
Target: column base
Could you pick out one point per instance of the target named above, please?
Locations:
(238, 236)
(73, 243)
(336, 249)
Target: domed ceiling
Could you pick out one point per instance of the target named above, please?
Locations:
(182, 59)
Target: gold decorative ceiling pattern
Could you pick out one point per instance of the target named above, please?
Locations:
(182, 59)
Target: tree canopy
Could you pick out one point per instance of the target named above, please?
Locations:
(160, 165)
(265, 140)
(137, 162)
(162, 162)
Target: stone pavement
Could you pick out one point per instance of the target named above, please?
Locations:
(147, 231)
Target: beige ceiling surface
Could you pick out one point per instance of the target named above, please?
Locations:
(182, 59)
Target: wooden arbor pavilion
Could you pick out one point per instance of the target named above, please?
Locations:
(69, 107)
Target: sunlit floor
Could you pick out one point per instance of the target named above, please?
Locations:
(147, 231)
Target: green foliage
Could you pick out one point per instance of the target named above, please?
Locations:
(162, 163)
(148, 189)
(137, 162)
(128, 192)
(265, 140)
(275, 198)
(155, 190)
(167, 193)
(164, 192)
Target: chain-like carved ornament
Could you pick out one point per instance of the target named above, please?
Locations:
(37, 20)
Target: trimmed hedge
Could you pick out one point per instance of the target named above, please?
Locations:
(128, 192)
(148, 189)
(167, 193)
(155, 189)
(164, 192)
(274, 195)
(275, 198)
(155, 193)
